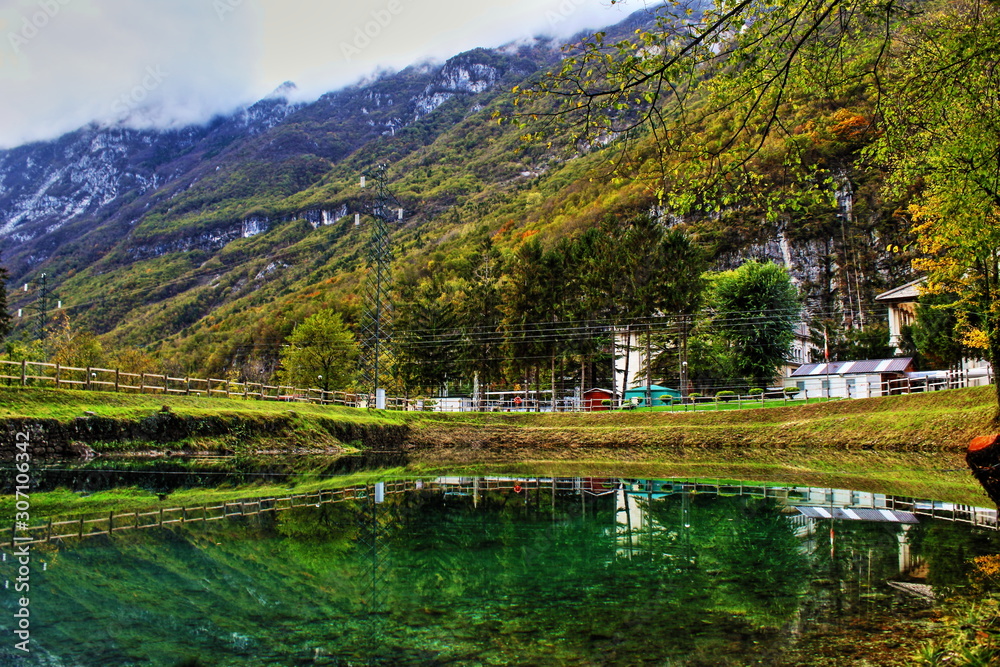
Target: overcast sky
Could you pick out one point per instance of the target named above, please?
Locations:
(64, 63)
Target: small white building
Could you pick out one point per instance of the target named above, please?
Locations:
(852, 379)
(902, 303)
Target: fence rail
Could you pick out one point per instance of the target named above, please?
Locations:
(115, 522)
(36, 373)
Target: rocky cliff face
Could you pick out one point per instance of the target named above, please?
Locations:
(113, 178)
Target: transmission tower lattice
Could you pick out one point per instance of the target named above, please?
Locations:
(376, 324)
(42, 305)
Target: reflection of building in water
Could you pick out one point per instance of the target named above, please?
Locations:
(823, 519)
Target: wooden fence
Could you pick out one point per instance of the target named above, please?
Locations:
(36, 373)
(115, 522)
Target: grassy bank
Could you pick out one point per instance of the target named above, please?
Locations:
(71, 423)
(934, 421)
(941, 421)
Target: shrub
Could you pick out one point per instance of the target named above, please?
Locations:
(694, 395)
(756, 391)
(726, 395)
(791, 391)
(606, 402)
(666, 399)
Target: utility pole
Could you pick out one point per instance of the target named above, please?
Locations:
(682, 358)
(376, 329)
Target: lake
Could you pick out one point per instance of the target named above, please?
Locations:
(498, 570)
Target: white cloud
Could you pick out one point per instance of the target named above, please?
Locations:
(64, 63)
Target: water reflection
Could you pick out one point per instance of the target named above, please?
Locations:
(472, 570)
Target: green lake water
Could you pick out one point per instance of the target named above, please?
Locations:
(507, 571)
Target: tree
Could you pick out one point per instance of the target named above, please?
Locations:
(427, 336)
(941, 130)
(72, 346)
(321, 352)
(4, 314)
(934, 334)
(533, 301)
(755, 309)
(713, 83)
(480, 315)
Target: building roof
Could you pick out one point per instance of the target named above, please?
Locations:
(896, 365)
(603, 391)
(858, 514)
(902, 294)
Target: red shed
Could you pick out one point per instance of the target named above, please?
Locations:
(593, 399)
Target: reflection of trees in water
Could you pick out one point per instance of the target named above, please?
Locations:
(514, 577)
(948, 549)
(516, 569)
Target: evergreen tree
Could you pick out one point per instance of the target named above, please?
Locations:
(480, 316)
(427, 336)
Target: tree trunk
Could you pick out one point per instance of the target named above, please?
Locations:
(994, 338)
(649, 371)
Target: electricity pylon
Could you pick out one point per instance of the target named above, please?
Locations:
(376, 325)
(42, 304)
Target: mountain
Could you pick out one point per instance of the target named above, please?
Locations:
(209, 243)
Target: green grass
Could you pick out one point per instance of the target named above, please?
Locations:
(63, 405)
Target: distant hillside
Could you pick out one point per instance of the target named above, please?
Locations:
(207, 243)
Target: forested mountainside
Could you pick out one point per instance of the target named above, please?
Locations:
(205, 246)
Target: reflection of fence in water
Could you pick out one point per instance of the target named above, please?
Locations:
(476, 486)
(117, 522)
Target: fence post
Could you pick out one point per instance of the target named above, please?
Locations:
(24, 372)
(187, 386)
(209, 392)
(142, 382)
(111, 522)
(88, 378)
(118, 375)
(58, 375)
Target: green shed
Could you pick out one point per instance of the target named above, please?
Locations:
(657, 391)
